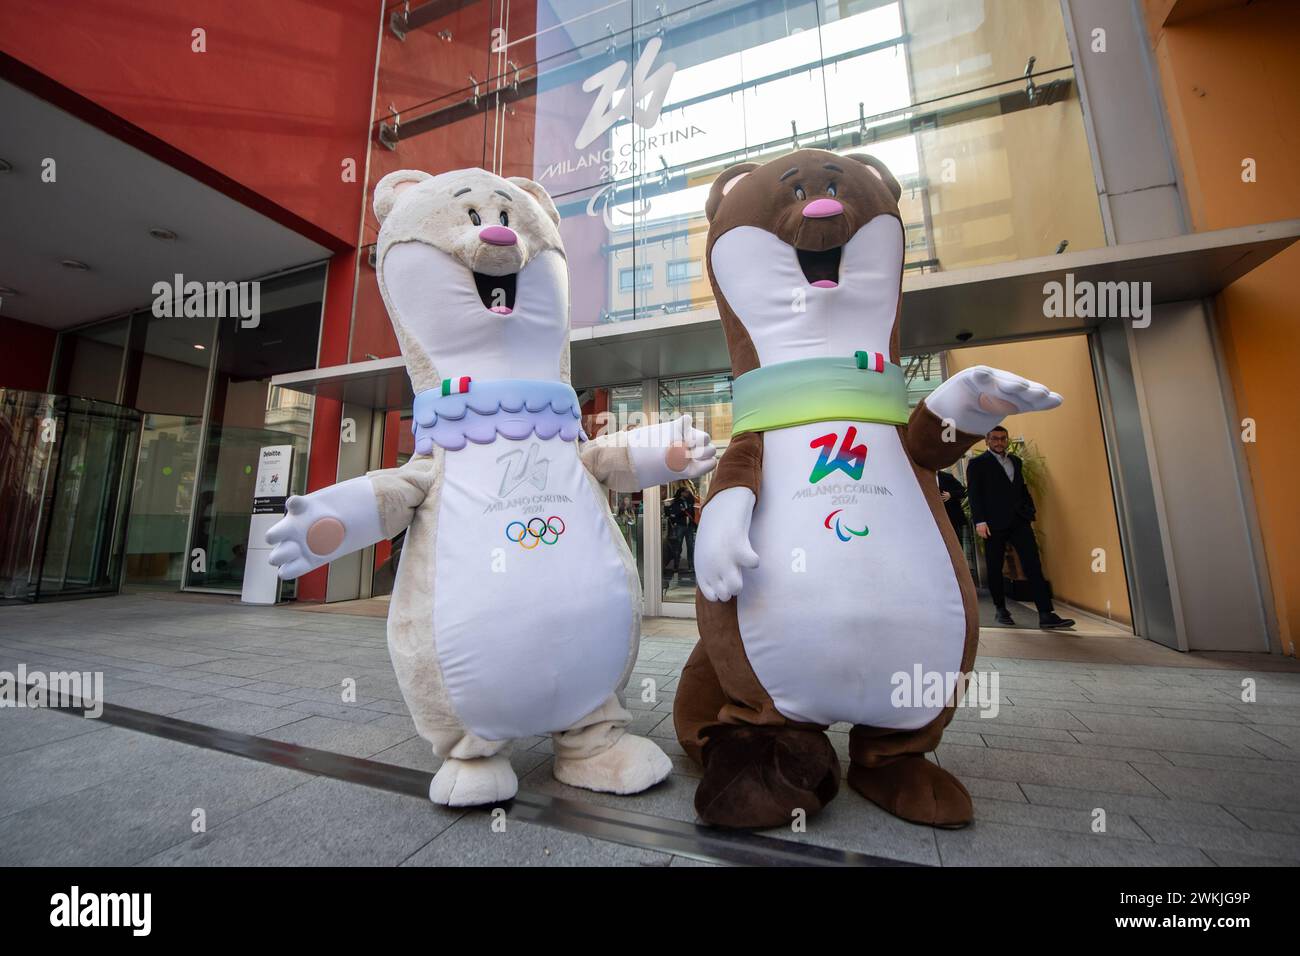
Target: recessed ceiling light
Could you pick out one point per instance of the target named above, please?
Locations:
(75, 264)
(158, 232)
(200, 347)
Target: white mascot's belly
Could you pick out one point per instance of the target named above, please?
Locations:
(854, 583)
(533, 611)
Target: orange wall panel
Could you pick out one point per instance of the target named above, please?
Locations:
(1229, 82)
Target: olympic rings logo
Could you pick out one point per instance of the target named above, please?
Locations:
(537, 530)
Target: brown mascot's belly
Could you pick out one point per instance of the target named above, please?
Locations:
(855, 585)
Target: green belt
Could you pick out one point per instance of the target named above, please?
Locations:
(818, 390)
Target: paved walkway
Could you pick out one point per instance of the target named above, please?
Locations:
(1186, 772)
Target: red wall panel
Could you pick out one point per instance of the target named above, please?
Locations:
(323, 463)
(27, 354)
(280, 98)
(430, 70)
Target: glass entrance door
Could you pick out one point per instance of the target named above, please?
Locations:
(69, 509)
(707, 399)
(244, 414)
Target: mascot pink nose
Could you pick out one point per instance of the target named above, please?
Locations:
(822, 209)
(498, 235)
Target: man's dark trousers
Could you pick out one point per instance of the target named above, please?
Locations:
(1021, 537)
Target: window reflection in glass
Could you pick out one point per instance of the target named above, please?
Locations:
(90, 361)
(168, 376)
(246, 414)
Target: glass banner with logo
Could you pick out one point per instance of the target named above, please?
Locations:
(627, 111)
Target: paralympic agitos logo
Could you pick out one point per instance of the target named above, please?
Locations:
(841, 528)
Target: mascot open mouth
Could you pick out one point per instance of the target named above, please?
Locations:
(497, 292)
(821, 269)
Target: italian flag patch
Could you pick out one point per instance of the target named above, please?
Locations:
(871, 361)
(455, 386)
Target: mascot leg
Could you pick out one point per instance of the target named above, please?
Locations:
(597, 753)
(889, 768)
(698, 702)
(474, 771)
(759, 767)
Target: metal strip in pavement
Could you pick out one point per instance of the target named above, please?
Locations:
(626, 827)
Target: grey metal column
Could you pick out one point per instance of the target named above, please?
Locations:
(1184, 501)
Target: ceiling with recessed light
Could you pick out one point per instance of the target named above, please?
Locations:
(105, 198)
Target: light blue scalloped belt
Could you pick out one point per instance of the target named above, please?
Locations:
(511, 408)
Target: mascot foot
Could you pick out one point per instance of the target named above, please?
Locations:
(756, 777)
(472, 783)
(630, 766)
(916, 790)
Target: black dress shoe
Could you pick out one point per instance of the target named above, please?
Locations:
(1053, 622)
(1003, 618)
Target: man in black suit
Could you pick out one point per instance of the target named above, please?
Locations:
(1003, 512)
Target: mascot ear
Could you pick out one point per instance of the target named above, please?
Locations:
(391, 186)
(723, 185)
(541, 195)
(881, 170)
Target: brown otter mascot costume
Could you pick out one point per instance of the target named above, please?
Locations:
(831, 585)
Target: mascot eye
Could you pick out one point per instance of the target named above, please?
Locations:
(830, 190)
(473, 217)
(505, 220)
(799, 193)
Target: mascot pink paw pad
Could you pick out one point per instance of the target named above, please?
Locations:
(677, 457)
(325, 535)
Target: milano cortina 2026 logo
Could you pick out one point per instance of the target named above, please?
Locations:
(651, 87)
(639, 99)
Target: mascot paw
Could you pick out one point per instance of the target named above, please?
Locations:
(756, 777)
(472, 783)
(979, 397)
(633, 764)
(670, 451)
(301, 539)
(915, 790)
(324, 525)
(722, 548)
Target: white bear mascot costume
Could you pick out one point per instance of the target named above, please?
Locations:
(516, 609)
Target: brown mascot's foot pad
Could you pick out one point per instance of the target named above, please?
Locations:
(756, 777)
(916, 790)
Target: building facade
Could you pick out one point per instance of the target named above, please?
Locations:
(1037, 142)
